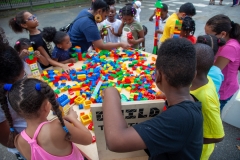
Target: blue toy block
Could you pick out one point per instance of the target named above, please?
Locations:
(80, 106)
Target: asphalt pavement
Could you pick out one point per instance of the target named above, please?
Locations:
(225, 150)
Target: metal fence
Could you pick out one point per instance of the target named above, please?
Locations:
(30, 4)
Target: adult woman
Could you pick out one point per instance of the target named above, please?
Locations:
(228, 56)
(84, 32)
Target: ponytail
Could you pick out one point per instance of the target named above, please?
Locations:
(4, 106)
(235, 31)
(15, 22)
(48, 92)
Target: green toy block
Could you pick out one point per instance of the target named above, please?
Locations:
(57, 91)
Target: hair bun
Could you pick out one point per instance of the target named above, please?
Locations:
(221, 41)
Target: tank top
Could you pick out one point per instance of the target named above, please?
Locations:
(38, 153)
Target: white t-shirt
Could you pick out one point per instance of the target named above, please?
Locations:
(19, 123)
(161, 23)
(115, 25)
(137, 17)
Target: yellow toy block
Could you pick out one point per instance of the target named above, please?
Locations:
(65, 109)
(87, 104)
(128, 89)
(81, 76)
(62, 89)
(50, 84)
(90, 115)
(119, 89)
(85, 119)
(45, 72)
(77, 93)
(79, 100)
(56, 71)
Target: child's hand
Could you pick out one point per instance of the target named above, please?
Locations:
(37, 54)
(24, 53)
(72, 115)
(72, 60)
(112, 30)
(132, 41)
(66, 68)
(125, 45)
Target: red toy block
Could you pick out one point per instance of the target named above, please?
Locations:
(93, 139)
(71, 64)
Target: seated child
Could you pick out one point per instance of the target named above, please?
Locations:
(175, 133)
(204, 90)
(130, 26)
(62, 44)
(188, 29)
(40, 141)
(21, 46)
(215, 72)
(137, 6)
(114, 24)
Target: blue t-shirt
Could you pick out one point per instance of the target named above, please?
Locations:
(176, 133)
(216, 74)
(60, 54)
(84, 31)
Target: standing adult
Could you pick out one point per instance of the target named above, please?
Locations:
(84, 32)
(228, 56)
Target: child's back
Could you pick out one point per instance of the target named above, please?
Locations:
(177, 132)
(204, 90)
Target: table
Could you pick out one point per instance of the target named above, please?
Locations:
(134, 112)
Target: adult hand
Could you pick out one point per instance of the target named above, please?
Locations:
(23, 53)
(125, 45)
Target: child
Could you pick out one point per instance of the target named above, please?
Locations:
(114, 24)
(186, 9)
(129, 25)
(145, 30)
(21, 46)
(188, 29)
(137, 6)
(39, 139)
(11, 70)
(175, 133)
(24, 20)
(164, 17)
(204, 90)
(62, 44)
(215, 72)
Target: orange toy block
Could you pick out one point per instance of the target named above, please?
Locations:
(153, 59)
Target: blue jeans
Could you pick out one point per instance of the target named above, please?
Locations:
(235, 2)
(223, 103)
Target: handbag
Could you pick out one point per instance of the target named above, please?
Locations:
(68, 26)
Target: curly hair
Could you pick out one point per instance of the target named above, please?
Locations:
(15, 22)
(50, 34)
(127, 10)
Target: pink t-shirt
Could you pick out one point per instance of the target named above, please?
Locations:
(231, 51)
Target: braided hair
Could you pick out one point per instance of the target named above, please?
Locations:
(28, 105)
(188, 26)
(127, 10)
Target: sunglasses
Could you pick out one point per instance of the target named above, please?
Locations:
(31, 18)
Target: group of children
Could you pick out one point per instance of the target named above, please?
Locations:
(189, 134)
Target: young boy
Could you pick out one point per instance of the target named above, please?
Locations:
(186, 9)
(204, 90)
(175, 133)
(114, 24)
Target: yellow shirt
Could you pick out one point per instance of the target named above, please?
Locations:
(169, 27)
(212, 123)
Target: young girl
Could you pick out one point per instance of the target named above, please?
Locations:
(24, 20)
(39, 140)
(62, 44)
(221, 26)
(215, 72)
(188, 29)
(129, 25)
(11, 70)
(21, 46)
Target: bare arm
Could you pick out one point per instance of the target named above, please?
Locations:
(51, 61)
(4, 134)
(116, 126)
(77, 129)
(221, 62)
(151, 17)
(41, 58)
(139, 40)
(71, 60)
(109, 46)
(120, 28)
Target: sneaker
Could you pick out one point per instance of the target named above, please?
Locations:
(234, 5)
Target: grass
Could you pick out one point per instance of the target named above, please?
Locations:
(8, 12)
